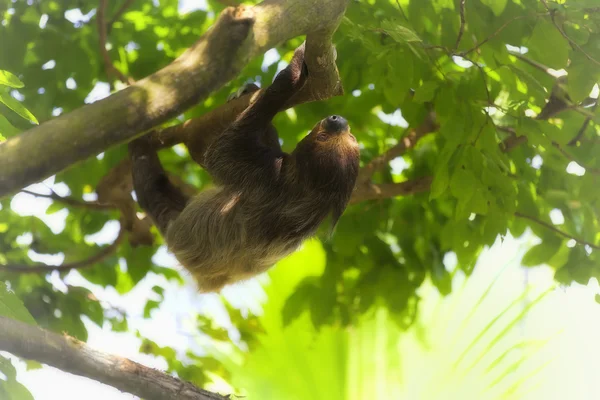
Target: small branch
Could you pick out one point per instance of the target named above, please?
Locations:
(72, 202)
(118, 14)
(535, 64)
(570, 157)
(88, 262)
(406, 143)
(511, 142)
(461, 30)
(71, 355)
(372, 191)
(108, 65)
(584, 126)
(556, 230)
(571, 41)
(496, 33)
(401, 10)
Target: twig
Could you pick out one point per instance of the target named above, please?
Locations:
(497, 32)
(372, 191)
(512, 141)
(584, 126)
(570, 157)
(71, 355)
(461, 30)
(71, 201)
(571, 41)
(407, 142)
(108, 65)
(556, 230)
(401, 10)
(118, 14)
(88, 262)
(535, 64)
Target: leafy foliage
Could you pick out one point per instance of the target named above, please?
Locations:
(496, 168)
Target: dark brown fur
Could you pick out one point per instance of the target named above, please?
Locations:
(266, 202)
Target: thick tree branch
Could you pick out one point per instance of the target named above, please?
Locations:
(70, 355)
(88, 262)
(323, 82)
(238, 35)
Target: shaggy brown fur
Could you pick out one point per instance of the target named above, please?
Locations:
(266, 202)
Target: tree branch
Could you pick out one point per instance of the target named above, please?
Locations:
(108, 65)
(461, 30)
(556, 230)
(571, 41)
(496, 33)
(406, 143)
(71, 355)
(238, 35)
(372, 191)
(95, 205)
(118, 14)
(323, 82)
(584, 126)
(88, 262)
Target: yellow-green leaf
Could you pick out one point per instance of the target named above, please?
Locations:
(8, 79)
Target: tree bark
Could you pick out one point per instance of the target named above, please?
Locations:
(238, 35)
(70, 355)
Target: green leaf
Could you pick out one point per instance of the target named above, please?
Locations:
(399, 33)
(440, 183)
(541, 253)
(6, 128)
(55, 207)
(150, 305)
(497, 6)
(548, 46)
(295, 304)
(10, 388)
(583, 75)
(463, 183)
(8, 79)
(12, 307)
(425, 92)
(17, 107)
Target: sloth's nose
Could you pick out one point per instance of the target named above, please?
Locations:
(336, 123)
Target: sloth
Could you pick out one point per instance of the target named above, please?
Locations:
(265, 202)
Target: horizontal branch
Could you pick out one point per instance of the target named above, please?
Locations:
(69, 201)
(238, 35)
(372, 191)
(556, 230)
(71, 355)
(88, 262)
